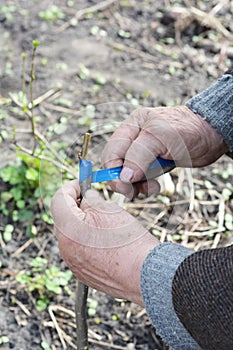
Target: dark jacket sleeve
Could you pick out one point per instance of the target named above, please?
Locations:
(202, 293)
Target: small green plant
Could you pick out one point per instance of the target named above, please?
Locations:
(7, 233)
(4, 339)
(8, 11)
(27, 183)
(124, 34)
(83, 72)
(45, 345)
(44, 281)
(52, 14)
(92, 306)
(3, 135)
(87, 116)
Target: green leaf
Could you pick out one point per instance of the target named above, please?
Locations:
(20, 203)
(31, 174)
(53, 287)
(7, 234)
(38, 263)
(73, 22)
(226, 193)
(91, 312)
(100, 79)
(83, 71)
(41, 305)
(23, 278)
(25, 215)
(94, 30)
(16, 192)
(4, 134)
(15, 215)
(124, 34)
(6, 196)
(60, 129)
(8, 174)
(4, 339)
(48, 219)
(229, 221)
(31, 230)
(35, 43)
(45, 345)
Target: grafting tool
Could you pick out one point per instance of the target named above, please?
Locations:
(158, 167)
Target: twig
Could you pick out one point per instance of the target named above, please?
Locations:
(134, 51)
(109, 346)
(37, 133)
(22, 307)
(144, 55)
(48, 145)
(61, 109)
(218, 7)
(58, 329)
(41, 137)
(211, 21)
(221, 213)
(45, 96)
(48, 159)
(67, 338)
(22, 248)
(82, 289)
(81, 317)
(206, 19)
(24, 58)
(31, 114)
(216, 241)
(2, 243)
(154, 205)
(79, 14)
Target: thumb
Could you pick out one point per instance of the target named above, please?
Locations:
(142, 152)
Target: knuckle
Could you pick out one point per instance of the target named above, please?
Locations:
(140, 114)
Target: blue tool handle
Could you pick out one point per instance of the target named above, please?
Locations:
(157, 168)
(85, 170)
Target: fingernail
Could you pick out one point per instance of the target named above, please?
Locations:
(126, 174)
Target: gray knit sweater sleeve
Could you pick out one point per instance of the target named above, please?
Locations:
(156, 285)
(215, 105)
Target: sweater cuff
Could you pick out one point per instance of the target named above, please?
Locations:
(215, 105)
(157, 275)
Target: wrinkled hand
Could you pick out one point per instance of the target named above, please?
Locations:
(168, 132)
(103, 245)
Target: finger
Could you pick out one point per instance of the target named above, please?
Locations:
(127, 189)
(101, 225)
(64, 208)
(148, 187)
(141, 153)
(134, 145)
(108, 224)
(132, 190)
(116, 148)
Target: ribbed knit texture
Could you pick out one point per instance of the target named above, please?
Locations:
(215, 105)
(202, 293)
(156, 284)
